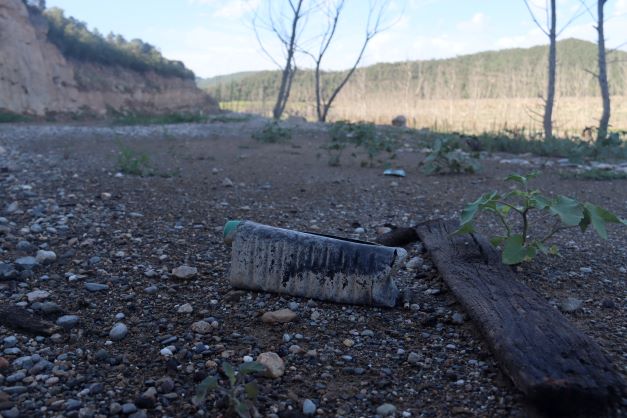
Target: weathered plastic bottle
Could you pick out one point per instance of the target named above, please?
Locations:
(270, 259)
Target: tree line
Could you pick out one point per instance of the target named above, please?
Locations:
(76, 41)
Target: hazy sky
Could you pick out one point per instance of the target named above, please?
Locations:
(215, 37)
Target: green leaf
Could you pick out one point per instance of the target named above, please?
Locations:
(252, 368)
(241, 408)
(517, 178)
(252, 390)
(467, 228)
(497, 240)
(514, 252)
(209, 382)
(553, 250)
(229, 372)
(569, 210)
(539, 201)
(541, 247)
(598, 218)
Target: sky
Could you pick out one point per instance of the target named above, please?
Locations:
(215, 37)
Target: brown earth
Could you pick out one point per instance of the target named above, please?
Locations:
(140, 228)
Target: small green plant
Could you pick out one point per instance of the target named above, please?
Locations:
(132, 163)
(447, 157)
(359, 135)
(273, 132)
(519, 246)
(240, 388)
(596, 174)
(8, 117)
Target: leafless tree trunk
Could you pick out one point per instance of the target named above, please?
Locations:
(603, 84)
(374, 26)
(289, 42)
(550, 30)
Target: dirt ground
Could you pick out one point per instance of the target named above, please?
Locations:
(129, 232)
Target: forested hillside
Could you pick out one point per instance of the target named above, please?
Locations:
(75, 40)
(511, 73)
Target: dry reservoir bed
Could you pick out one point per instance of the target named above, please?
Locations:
(117, 239)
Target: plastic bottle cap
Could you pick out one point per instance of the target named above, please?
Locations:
(229, 230)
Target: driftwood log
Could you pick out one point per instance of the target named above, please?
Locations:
(398, 237)
(557, 367)
(19, 319)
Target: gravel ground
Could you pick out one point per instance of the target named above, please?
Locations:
(137, 339)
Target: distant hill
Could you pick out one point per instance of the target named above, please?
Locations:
(509, 73)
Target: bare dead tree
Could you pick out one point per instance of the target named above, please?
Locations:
(550, 30)
(287, 27)
(603, 84)
(333, 11)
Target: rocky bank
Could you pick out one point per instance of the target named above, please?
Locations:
(36, 79)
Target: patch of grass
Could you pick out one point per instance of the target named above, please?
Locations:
(273, 132)
(8, 117)
(575, 149)
(448, 157)
(167, 119)
(594, 174)
(133, 163)
(366, 136)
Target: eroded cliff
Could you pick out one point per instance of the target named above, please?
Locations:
(36, 79)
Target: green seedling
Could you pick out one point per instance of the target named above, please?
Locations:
(521, 245)
(239, 388)
(273, 132)
(132, 163)
(446, 157)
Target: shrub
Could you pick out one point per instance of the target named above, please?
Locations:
(132, 163)
(359, 135)
(273, 132)
(447, 157)
(519, 246)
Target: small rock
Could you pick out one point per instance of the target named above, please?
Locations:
(46, 257)
(608, 304)
(309, 408)
(414, 358)
(399, 121)
(570, 305)
(315, 315)
(227, 182)
(129, 408)
(26, 263)
(184, 272)
(184, 309)
(585, 270)
(281, 316)
(414, 263)
(50, 308)
(37, 296)
(95, 287)
(4, 363)
(458, 318)
(275, 367)
(67, 321)
(348, 342)
(202, 327)
(118, 331)
(386, 409)
(11, 413)
(151, 290)
(359, 230)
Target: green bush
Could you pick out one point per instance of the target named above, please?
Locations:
(359, 135)
(132, 163)
(273, 132)
(523, 245)
(447, 157)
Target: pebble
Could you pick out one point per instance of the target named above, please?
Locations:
(184, 272)
(202, 327)
(315, 315)
(151, 290)
(37, 296)
(45, 257)
(67, 321)
(227, 182)
(95, 287)
(184, 309)
(280, 316)
(275, 367)
(414, 263)
(4, 363)
(118, 331)
(11, 413)
(26, 263)
(129, 408)
(413, 358)
(585, 270)
(386, 409)
(570, 304)
(458, 318)
(309, 408)
(50, 308)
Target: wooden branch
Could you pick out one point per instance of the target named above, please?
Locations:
(561, 370)
(19, 319)
(398, 237)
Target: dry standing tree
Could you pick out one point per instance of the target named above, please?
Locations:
(332, 11)
(287, 25)
(550, 30)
